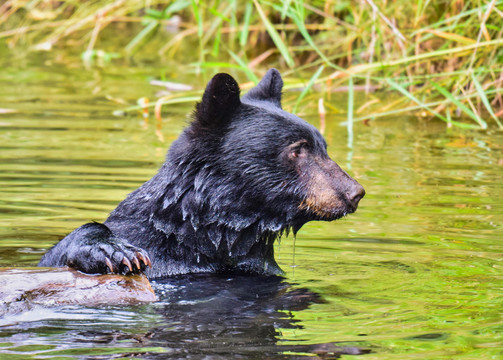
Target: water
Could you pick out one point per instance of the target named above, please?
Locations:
(415, 273)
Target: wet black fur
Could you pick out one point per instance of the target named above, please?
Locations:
(226, 192)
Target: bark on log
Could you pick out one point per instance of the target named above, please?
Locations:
(63, 286)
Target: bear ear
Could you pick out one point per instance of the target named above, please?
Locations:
(220, 100)
(269, 88)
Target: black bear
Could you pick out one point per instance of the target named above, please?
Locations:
(243, 173)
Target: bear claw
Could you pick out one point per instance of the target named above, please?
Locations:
(136, 263)
(126, 262)
(129, 263)
(126, 259)
(144, 258)
(109, 264)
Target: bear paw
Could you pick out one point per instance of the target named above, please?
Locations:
(115, 258)
(125, 259)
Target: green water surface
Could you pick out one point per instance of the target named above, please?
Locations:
(415, 273)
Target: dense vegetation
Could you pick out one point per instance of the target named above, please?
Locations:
(441, 58)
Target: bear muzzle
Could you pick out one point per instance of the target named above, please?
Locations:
(331, 192)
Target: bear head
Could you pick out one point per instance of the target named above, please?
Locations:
(244, 172)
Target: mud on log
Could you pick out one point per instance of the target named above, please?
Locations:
(64, 286)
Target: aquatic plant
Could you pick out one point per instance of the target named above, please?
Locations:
(440, 59)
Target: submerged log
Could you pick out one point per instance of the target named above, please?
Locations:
(63, 286)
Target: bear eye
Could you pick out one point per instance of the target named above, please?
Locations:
(296, 149)
(295, 152)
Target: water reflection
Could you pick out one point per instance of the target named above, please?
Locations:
(196, 316)
(218, 316)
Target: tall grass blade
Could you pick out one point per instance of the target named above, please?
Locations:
(243, 66)
(214, 30)
(382, 65)
(282, 47)
(284, 9)
(460, 105)
(221, 15)
(298, 19)
(414, 108)
(178, 6)
(199, 20)
(243, 37)
(449, 117)
(350, 112)
(216, 65)
(297, 16)
(308, 87)
(484, 100)
(411, 97)
(453, 19)
(141, 36)
(165, 101)
(451, 37)
(216, 43)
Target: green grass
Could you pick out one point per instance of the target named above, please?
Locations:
(440, 58)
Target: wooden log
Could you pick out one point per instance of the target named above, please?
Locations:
(21, 287)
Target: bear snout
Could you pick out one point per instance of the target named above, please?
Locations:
(331, 192)
(354, 195)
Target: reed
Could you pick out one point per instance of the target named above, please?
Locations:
(443, 59)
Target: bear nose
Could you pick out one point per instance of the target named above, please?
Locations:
(355, 195)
